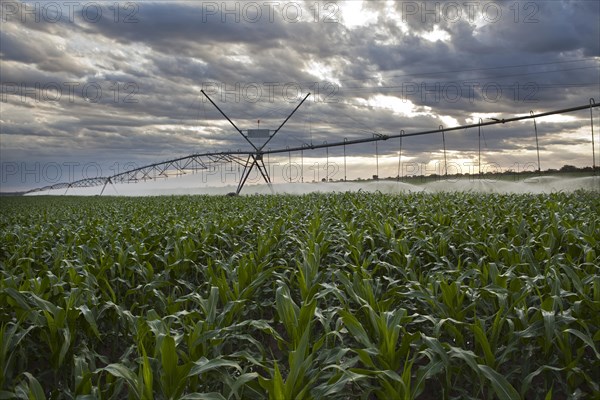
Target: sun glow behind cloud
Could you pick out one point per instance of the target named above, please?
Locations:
(355, 15)
(324, 72)
(437, 34)
(449, 121)
(551, 118)
(398, 106)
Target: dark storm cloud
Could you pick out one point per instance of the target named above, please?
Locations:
(537, 27)
(538, 33)
(47, 57)
(181, 28)
(553, 27)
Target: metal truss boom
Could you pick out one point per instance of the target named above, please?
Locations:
(180, 165)
(251, 159)
(455, 128)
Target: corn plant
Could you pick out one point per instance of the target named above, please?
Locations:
(337, 296)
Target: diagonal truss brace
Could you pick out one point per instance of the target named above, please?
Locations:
(252, 161)
(255, 159)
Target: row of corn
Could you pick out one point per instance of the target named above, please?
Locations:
(321, 296)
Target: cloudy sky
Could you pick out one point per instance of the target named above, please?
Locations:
(92, 88)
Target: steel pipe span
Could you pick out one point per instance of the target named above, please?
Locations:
(200, 161)
(455, 128)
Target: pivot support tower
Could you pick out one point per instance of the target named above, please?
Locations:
(255, 158)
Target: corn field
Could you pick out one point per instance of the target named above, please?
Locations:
(320, 296)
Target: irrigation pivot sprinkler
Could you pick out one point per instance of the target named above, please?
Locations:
(441, 128)
(269, 164)
(104, 187)
(255, 159)
(289, 161)
(381, 137)
(326, 162)
(249, 159)
(345, 176)
(400, 156)
(302, 164)
(377, 160)
(592, 103)
(537, 144)
(479, 162)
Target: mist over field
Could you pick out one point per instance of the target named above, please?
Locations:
(189, 185)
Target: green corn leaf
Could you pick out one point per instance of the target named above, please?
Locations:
(585, 338)
(526, 384)
(121, 371)
(17, 297)
(274, 386)
(35, 389)
(213, 301)
(169, 361)
(240, 382)
(288, 312)
(147, 376)
(438, 349)
(44, 305)
(82, 377)
(427, 371)
(365, 356)
(549, 318)
(89, 317)
(203, 396)
(66, 344)
(338, 382)
(355, 328)
(468, 356)
(482, 340)
(203, 365)
(298, 362)
(503, 389)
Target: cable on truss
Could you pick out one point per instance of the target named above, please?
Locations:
(254, 158)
